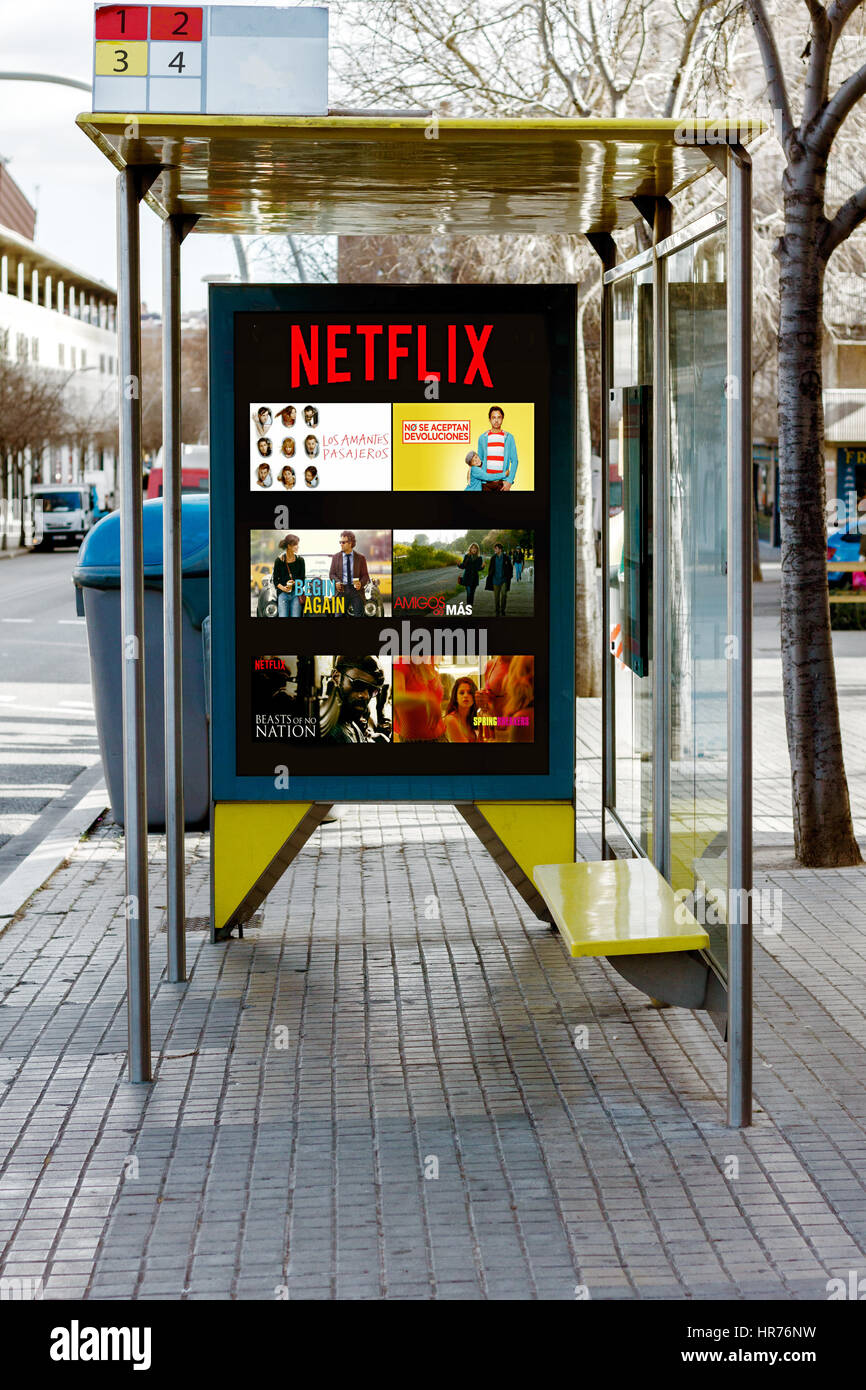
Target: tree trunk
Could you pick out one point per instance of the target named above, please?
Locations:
(587, 615)
(823, 833)
(19, 480)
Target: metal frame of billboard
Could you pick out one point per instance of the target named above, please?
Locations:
(555, 785)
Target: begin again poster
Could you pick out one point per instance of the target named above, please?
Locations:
(393, 520)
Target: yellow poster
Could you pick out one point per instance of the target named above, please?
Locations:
(478, 447)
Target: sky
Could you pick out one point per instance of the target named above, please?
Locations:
(437, 537)
(61, 171)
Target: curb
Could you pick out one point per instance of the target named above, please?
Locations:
(43, 861)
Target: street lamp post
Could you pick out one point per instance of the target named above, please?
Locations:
(46, 77)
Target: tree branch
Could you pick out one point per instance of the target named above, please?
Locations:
(841, 11)
(773, 70)
(838, 107)
(820, 53)
(543, 26)
(691, 28)
(847, 219)
(607, 75)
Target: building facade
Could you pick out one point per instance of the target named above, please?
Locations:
(59, 323)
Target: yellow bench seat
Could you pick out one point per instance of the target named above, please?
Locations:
(617, 907)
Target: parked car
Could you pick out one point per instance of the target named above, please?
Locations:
(69, 511)
(259, 573)
(845, 546)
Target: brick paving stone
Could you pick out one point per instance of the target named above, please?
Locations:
(430, 1131)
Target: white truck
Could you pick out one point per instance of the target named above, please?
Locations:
(62, 512)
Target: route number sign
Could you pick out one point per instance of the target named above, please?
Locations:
(211, 60)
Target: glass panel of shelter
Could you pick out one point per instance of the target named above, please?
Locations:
(697, 581)
(630, 567)
(697, 318)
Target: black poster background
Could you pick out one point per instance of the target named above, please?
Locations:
(518, 355)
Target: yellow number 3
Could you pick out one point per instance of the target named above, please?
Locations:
(130, 60)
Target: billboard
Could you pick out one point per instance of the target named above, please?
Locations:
(392, 542)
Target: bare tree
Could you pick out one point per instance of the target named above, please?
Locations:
(90, 424)
(297, 259)
(193, 386)
(532, 57)
(823, 831)
(32, 417)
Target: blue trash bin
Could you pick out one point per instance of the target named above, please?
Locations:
(97, 594)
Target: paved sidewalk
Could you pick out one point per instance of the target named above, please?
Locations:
(386, 1089)
(367, 1099)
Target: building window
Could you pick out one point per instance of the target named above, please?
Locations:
(22, 347)
(102, 364)
(4, 342)
(72, 357)
(61, 355)
(83, 357)
(34, 349)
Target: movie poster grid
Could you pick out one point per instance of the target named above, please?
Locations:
(299, 447)
(304, 446)
(482, 573)
(374, 699)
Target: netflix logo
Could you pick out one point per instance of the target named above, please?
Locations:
(321, 354)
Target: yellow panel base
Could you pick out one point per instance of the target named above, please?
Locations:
(532, 830)
(246, 838)
(617, 907)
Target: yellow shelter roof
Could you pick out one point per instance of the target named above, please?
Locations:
(384, 175)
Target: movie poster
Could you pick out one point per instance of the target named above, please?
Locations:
(479, 572)
(464, 700)
(337, 573)
(321, 699)
(298, 447)
(464, 448)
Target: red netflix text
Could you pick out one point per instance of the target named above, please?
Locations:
(321, 355)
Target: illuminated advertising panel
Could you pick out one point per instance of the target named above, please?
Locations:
(392, 558)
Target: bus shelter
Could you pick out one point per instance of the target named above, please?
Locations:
(676, 508)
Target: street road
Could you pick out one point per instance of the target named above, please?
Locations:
(424, 582)
(49, 756)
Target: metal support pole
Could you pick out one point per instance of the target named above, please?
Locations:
(129, 193)
(605, 248)
(172, 235)
(661, 523)
(739, 419)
